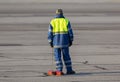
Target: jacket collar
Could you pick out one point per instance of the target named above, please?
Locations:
(59, 16)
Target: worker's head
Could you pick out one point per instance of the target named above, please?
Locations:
(59, 12)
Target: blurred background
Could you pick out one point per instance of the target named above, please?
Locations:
(23, 36)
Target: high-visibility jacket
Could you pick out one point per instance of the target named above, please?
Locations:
(60, 32)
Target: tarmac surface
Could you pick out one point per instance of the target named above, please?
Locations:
(25, 53)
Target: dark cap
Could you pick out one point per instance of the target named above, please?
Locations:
(59, 11)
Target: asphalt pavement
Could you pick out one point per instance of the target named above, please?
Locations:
(25, 53)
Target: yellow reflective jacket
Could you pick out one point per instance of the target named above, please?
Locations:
(60, 32)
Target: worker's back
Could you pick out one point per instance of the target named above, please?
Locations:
(60, 32)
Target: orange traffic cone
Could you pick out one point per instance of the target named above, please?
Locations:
(59, 73)
(50, 73)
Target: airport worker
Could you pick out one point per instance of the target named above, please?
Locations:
(60, 37)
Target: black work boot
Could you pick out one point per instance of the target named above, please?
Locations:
(70, 72)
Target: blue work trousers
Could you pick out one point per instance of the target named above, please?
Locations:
(59, 53)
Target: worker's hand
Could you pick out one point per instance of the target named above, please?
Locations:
(70, 44)
(51, 44)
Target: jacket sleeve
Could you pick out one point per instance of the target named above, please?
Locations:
(50, 34)
(70, 31)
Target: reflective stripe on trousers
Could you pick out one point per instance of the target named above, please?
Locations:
(66, 57)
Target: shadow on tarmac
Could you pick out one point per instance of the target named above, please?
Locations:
(96, 73)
